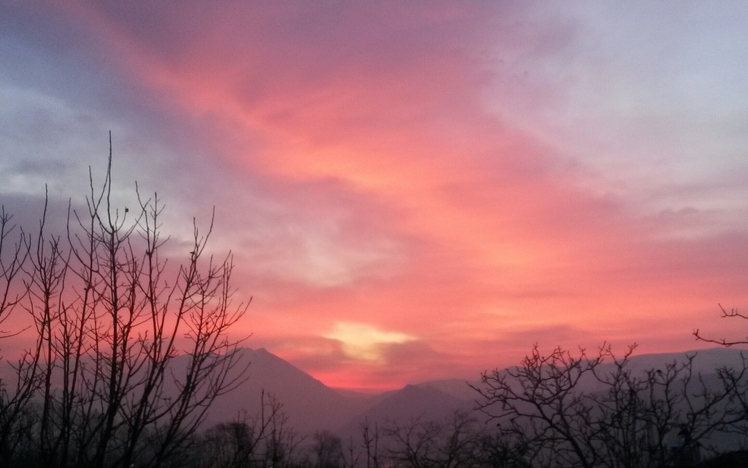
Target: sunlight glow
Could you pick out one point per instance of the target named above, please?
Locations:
(365, 342)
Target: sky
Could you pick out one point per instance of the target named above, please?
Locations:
(411, 190)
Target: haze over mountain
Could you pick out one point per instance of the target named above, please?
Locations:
(311, 406)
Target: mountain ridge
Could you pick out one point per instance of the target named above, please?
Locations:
(316, 407)
(310, 406)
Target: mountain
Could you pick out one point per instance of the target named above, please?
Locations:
(458, 388)
(311, 406)
(412, 403)
(706, 361)
(415, 401)
(308, 403)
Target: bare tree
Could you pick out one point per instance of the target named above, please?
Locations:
(262, 440)
(15, 421)
(370, 438)
(728, 314)
(662, 416)
(14, 250)
(570, 410)
(538, 408)
(130, 352)
(497, 451)
(281, 445)
(328, 450)
(452, 443)
(735, 379)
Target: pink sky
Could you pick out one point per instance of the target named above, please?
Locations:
(412, 190)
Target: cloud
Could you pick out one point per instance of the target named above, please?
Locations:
(363, 342)
(408, 186)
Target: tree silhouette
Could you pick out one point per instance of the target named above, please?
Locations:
(568, 410)
(129, 352)
(728, 314)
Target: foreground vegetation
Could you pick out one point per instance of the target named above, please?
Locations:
(127, 351)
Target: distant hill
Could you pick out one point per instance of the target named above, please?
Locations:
(308, 403)
(414, 402)
(457, 388)
(312, 406)
(705, 361)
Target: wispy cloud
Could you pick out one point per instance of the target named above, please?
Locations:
(424, 188)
